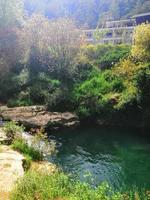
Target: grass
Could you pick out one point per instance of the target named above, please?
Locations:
(12, 129)
(29, 151)
(40, 186)
(36, 185)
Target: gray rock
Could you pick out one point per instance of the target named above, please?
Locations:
(37, 117)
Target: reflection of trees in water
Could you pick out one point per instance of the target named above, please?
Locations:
(135, 164)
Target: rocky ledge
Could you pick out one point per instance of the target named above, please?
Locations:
(37, 117)
(12, 165)
(11, 168)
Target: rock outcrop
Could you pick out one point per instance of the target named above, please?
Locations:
(3, 138)
(11, 168)
(37, 116)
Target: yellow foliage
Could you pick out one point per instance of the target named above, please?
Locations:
(141, 47)
(128, 95)
(126, 68)
(85, 52)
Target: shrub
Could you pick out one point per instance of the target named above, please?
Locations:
(83, 112)
(27, 162)
(59, 186)
(44, 145)
(98, 94)
(41, 87)
(60, 101)
(14, 84)
(18, 102)
(12, 129)
(141, 48)
(105, 56)
(21, 146)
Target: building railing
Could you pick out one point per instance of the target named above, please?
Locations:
(115, 30)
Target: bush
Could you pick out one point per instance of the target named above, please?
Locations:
(14, 133)
(60, 101)
(105, 56)
(142, 82)
(27, 162)
(141, 48)
(18, 102)
(13, 130)
(42, 86)
(14, 84)
(83, 112)
(98, 94)
(59, 186)
(29, 151)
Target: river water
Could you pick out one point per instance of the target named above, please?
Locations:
(95, 155)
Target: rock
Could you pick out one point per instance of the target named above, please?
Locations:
(11, 168)
(37, 117)
(3, 137)
(44, 167)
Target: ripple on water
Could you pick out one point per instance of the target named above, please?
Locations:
(117, 156)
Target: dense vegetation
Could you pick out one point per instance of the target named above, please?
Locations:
(29, 149)
(56, 186)
(48, 62)
(30, 152)
(37, 185)
(123, 89)
(88, 12)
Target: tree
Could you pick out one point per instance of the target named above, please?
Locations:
(87, 13)
(141, 48)
(115, 10)
(105, 56)
(9, 49)
(11, 16)
(50, 46)
(11, 12)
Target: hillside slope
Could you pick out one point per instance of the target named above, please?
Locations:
(88, 13)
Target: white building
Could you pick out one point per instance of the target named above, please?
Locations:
(116, 32)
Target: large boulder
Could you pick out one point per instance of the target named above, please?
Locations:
(37, 117)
